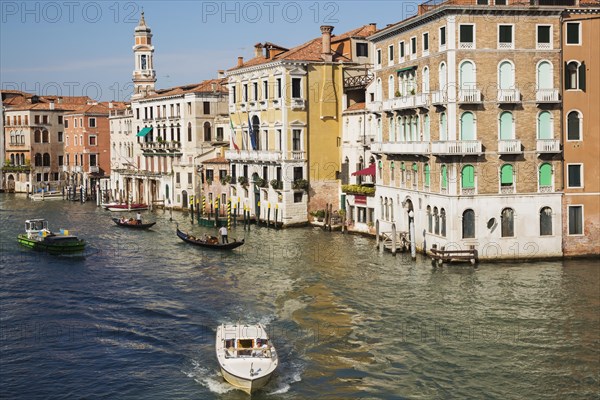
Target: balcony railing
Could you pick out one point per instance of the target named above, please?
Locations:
(511, 146)
(400, 148)
(232, 108)
(547, 96)
(545, 189)
(548, 146)
(438, 97)
(509, 96)
(375, 106)
(404, 102)
(467, 191)
(456, 147)
(469, 96)
(263, 155)
(507, 189)
(93, 169)
(298, 103)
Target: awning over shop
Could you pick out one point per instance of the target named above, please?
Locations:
(370, 170)
(407, 68)
(144, 131)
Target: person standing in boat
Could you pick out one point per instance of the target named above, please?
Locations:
(223, 233)
(138, 218)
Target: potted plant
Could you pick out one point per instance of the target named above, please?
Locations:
(398, 94)
(260, 182)
(226, 179)
(242, 180)
(300, 184)
(275, 184)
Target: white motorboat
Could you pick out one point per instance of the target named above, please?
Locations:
(246, 356)
(47, 195)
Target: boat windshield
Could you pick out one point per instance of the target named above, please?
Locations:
(37, 225)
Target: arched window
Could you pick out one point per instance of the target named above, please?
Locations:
(444, 172)
(506, 130)
(443, 222)
(468, 224)
(378, 94)
(467, 126)
(402, 129)
(467, 75)
(544, 125)
(37, 136)
(387, 211)
(506, 175)
(425, 82)
(172, 133)
(38, 160)
(46, 160)
(506, 76)
(427, 175)
(381, 207)
(392, 169)
(189, 132)
(415, 169)
(546, 221)
(22, 159)
(392, 131)
(545, 177)
(468, 177)
(45, 136)
(12, 159)
(207, 134)
(426, 124)
(508, 228)
(442, 76)
(391, 205)
(443, 127)
(436, 220)
(429, 220)
(379, 130)
(574, 125)
(391, 90)
(544, 76)
(575, 75)
(179, 132)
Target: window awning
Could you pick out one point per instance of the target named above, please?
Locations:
(144, 131)
(406, 69)
(370, 170)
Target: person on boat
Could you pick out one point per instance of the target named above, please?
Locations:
(122, 220)
(223, 233)
(138, 218)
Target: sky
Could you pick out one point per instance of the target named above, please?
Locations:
(84, 48)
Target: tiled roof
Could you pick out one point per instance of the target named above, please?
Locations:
(217, 160)
(90, 109)
(356, 107)
(311, 50)
(202, 87)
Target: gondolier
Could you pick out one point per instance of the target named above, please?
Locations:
(223, 233)
(138, 218)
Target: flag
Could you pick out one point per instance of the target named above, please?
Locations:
(232, 136)
(251, 133)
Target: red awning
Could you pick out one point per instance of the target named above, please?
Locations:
(370, 170)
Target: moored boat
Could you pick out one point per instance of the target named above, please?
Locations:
(132, 223)
(37, 236)
(47, 195)
(246, 357)
(209, 241)
(127, 207)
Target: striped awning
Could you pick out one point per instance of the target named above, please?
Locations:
(144, 131)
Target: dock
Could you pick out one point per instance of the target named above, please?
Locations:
(441, 255)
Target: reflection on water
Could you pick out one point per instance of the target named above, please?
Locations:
(136, 316)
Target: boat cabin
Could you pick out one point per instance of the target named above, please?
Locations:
(245, 341)
(36, 227)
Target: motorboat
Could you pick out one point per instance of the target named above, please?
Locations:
(37, 236)
(246, 356)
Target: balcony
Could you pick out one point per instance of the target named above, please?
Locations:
(511, 146)
(469, 96)
(263, 105)
(298, 104)
(77, 168)
(547, 96)
(400, 148)
(65, 168)
(422, 100)
(276, 103)
(404, 102)
(508, 189)
(467, 191)
(545, 189)
(438, 97)
(509, 96)
(253, 155)
(375, 106)
(161, 148)
(93, 169)
(456, 147)
(232, 108)
(548, 146)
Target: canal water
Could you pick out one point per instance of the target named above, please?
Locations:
(135, 316)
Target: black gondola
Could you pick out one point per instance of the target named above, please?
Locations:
(133, 225)
(211, 243)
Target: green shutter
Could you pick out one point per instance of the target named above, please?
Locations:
(506, 129)
(506, 174)
(427, 175)
(582, 76)
(545, 174)
(444, 177)
(467, 126)
(468, 177)
(415, 167)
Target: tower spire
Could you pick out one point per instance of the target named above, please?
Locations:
(144, 75)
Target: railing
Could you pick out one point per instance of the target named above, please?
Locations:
(261, 155)
(232, 108)
(545, 189)
(466, 45)
(404, 102)
(157, 146)
(94, 169)
(548, 146)
(400, 147)
(422, 100)
(276, 103)
(456, 147)
(468, 191)
(438, 97)
(506, 45)
(507, 189)
(469, 96)
(544, 46)
(375, 106)
(547, 95)
(509, 96)
(511, 146)
(298, 103)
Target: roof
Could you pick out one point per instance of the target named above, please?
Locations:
(98, 108)
(202, 87)
(356, 107)
(217, 160)
(16, 100)
(311, 50)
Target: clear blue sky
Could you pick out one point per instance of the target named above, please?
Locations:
(85, 47)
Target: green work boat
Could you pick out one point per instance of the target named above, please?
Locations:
(37, 236)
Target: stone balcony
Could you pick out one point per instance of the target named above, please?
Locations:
(400, 148)
(511, 146)
(509, 96)
(469, 96)
(375, 106)
(93, 169)
(264, 155)
(548, 146)
(456, 147)
(161, 148)
(547, 96)
(438, 97)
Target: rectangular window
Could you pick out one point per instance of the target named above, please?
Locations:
(219, 134)
(378, 56)
(278, 88)
(189, 108)
(573, 33)
(574, 175)
(482, 2)
(255, 90)
(505, 37)
(544, 34)
(401, 45)
(500, 2)
(60, 137)
(296, 140)
(296, 92)
(36, 119)
(265, 90)
(92, 140)
(60, 160)
(442, 36)
(391, 54)
(93, 160)
(60, 119)
(92, 122)
(467, 36)
(178, 177)
(245, 93)
(206, 107)
(575, 220)
(45, 120)
(190, 177)
(234, 94)
(426, 42)
(413, 45)
(362, 50)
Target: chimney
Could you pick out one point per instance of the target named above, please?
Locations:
(220, 74)
(60, 100)
(240, 62)
(213, 86)
(258, 50)
(373, 26)
(326, 40)
(110, 104)
(51, 105)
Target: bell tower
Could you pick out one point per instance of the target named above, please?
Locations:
(144, 76)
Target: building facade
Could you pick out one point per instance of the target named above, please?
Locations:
(468, 128)
(581, 130)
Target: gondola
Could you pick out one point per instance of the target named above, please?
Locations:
(211, 243)
(133, 225)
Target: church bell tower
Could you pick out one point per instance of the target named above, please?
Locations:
(144, 76)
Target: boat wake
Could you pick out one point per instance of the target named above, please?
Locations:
(208, 377)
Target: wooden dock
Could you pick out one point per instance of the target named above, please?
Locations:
(394, 241)
(441, 256)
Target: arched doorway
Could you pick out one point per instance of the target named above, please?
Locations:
(184, 199)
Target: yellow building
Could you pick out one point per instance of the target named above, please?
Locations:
(285, 106)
